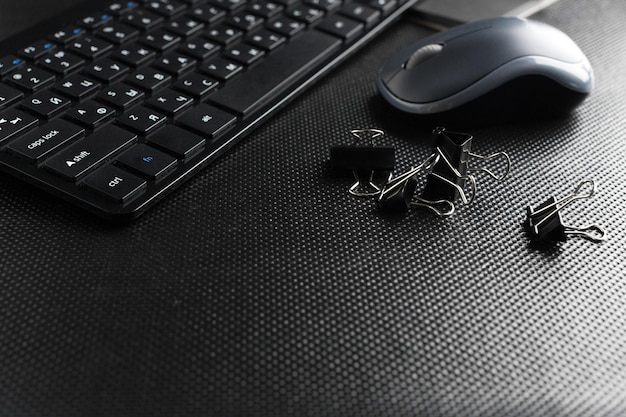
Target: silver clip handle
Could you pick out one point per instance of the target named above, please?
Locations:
(591, 232)
(487, 158)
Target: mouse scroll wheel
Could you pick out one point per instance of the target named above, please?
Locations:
(423, 54)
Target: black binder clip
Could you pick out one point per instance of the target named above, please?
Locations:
(452, 174)
(544, 222)
(364, 160)
(398, 193)
(449, 176)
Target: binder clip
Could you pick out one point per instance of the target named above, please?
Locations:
(449, 176)
(398, 193)
(544, 222)
(364, 160)
(452, 173)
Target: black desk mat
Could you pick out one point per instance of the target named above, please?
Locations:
(260, 288)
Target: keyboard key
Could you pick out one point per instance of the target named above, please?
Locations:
(265, 9)
(106, 70)
(170, 102)
(327, 5)
(148, 162)
(161, 40)
(364, 14)
(221, 69)
(184, 26)
(116, 184)
(272, 76)
(121, 96)
(67, 34)
(196, 85)
(244, 54)
(61, 62)
(37, 49)
(90, 47)
(231, 5)
(14, 122)
(143, 19)
(77, 87)
(245, 21)
(208, 121)
(45, 140)
(223, 34)
(9, 95)
(86, 154)
(266, 39)
(199, 48)
(9, 63)
(287, 26)
(308, 15)
(175, 63)
(343, 27)
(166, 8)
(117, 33)
(31, 79)
(149, 79)
(142, 120)
(92, 22)
(91, 114)
(134, 55)
(207, 13)
(46, 104)
(384, 6)
(121, 7)
(179, 142)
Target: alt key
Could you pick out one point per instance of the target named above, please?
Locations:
(116, 184)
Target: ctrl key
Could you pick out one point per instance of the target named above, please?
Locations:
(116, 184)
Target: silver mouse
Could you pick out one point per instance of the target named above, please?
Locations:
(499, 69)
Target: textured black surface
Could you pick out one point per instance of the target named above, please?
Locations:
(261, 288)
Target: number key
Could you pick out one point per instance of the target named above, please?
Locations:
(61, 62)
(31, 78)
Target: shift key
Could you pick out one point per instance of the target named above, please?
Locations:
(88, 153)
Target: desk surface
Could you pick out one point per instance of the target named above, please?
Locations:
(261, 288)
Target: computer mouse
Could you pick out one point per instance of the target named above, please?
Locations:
(492, 70)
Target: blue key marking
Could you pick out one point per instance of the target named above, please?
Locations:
(76, 31)
(47, 46)
(16, 61)
(148, 159)
(104, 17)
(130, 3)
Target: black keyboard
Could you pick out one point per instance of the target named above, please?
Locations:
(116, 104)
